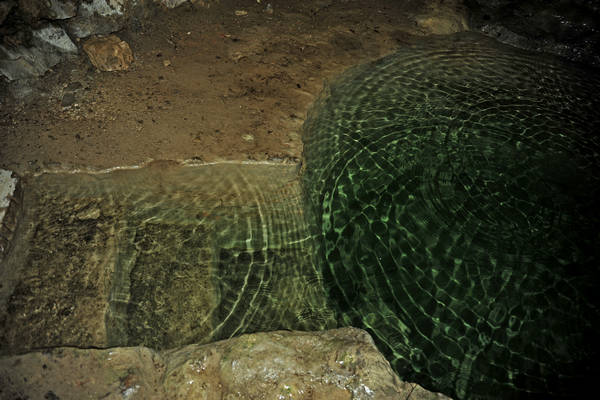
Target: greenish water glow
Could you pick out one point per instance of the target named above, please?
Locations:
(161, 256)
(448, 206)
(454, 186)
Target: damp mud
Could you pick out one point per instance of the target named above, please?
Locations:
(205, 84)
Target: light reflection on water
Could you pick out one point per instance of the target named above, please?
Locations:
(451, 212)
(162, 256)
(469, 174)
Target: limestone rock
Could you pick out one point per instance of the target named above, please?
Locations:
(99, 17)
(69, 373)
(54, 38)
(50, 45)
(34, 10)
(336, 364)
(204, 3)
(443, 18)
(61, 9)
(441, 25)
(108, 53)
(172, 3)
(10, 201)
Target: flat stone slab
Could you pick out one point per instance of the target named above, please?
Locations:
(336, 364)
(160, 256)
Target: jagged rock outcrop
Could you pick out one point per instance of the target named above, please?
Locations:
(336, 364)
(566, 28)
(49, 46)
(30, 46)
(99, 17)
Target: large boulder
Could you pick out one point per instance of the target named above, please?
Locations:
(337, 364)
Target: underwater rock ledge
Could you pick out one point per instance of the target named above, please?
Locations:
(336, 364)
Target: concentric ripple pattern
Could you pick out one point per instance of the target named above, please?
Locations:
(160, 256)
(454, 186)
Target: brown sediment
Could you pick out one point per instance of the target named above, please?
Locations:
(205, 85)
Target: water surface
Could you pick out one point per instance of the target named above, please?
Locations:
(448, 207)
(160, 256)
(454, 186)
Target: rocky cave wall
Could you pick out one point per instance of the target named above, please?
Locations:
(35, 35)
(568, 28)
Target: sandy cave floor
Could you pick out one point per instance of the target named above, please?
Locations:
(237, 87)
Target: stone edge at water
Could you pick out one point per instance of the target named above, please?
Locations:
(336, 364)
(10, 200)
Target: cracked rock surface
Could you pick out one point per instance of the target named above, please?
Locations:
(335, 364)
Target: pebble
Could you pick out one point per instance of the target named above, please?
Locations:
(68, 99)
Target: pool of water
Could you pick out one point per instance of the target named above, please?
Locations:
(454, 187)
(161, 256)
(447, 204)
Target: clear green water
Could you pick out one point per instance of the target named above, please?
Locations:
(454, 187)
(448, 206)
(161, 256)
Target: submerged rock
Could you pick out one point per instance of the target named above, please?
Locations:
(337, 364)
(88, 268)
